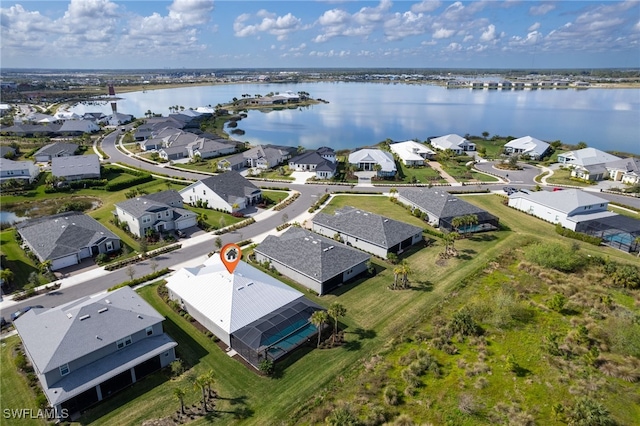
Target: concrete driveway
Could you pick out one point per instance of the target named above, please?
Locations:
(301, 177)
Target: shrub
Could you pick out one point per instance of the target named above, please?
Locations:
(391, 396)
(266, 366)
(587, 412)
(596, 241)
(177, 367)
(555, 256)
(463, 323)
(21, 361)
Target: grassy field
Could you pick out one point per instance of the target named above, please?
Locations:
(421, 174)
(15, 259)
(380, 333)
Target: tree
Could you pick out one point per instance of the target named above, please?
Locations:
(179, 393)
(218, 243)
(144, 246)
(319, 318)
(153, 265)
(201, 383)
(405, 270)
(6, 275)
(335, 311)
(222, 222)
(202, 219)
(393, 192)
(485, 134)
(210, 379)
(581, 145)
(130, 271)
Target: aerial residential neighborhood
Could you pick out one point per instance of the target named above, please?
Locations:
(200, 266)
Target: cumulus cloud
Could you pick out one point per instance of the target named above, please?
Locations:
(534, 26)
(443, 33)
(402, 25)
(541, 9)
(426, 6)
(489, 34)
(337, 22)
(280, 26)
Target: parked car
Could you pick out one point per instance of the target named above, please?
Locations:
(3, 323)
(180, 234)
(509, 190)
(557, 189)
(16, 314)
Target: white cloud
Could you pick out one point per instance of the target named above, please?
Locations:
(280, 26)
(402, 25)
(337, 22)
(454, 47)
(443, 33)
(467, 38)
(542, 9)
(425, 6)
(489, 34)
(534, 27)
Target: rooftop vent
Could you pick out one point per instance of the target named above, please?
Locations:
(386, 220)
(249, 284)
(107, 301)
(240, 288)
(84, 317)
(69, 315)
(102, 310)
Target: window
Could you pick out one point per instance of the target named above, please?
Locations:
(149, 331)
(159, 216)
(64, 369)
(109, 245)
(166, 213)
(124, 342)
(146, 219)
(204, 192)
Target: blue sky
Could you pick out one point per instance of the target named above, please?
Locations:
(295, 34)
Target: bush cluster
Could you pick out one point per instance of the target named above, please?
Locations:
(238, 225)
(318, 203)
(141, 280)
(286, 202)
(565, 232)
(136, 180)
(555, 256)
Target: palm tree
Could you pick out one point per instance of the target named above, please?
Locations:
(210, 379)
(319, 318)
(457, 222)
(336, 310)
(397, 272)
(201, 382)
(406, 270)
(179, 393)
(472, 220)
(393, 192)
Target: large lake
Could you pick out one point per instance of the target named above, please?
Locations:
(360, 114)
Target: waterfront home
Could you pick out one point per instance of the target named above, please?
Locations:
(229, 191)
(588, 163)
(318, 161)
(412, 153)
(454, 142)
(76, 167)
(318, 263)
(375, 234)
(86, 350)
(527, 146)
(369, 159)
(66, 238)
(20, 170)
(251, 312)
(78, 127)
(259, 157)
(158, 212)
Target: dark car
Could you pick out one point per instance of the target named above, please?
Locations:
(180, 234)
(509, 190)
(16, 314)
(3, 322)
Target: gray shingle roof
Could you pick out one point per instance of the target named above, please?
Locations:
(139, 206)
(232, 184)
(7, 165)
(313, 255)
(440, 203)
(57, 148)
(62, 234)
(75, 165)
(370, 227)
(59, 335)
(170, 197)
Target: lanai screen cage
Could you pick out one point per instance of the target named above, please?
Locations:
(276, 334)
(620, 232)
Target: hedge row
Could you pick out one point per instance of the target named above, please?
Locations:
(117, 265)
(238, 225)
(565, 232)
(137, 180)
(141, 280)
(318, 203)
(286, 202)
(283, 226)
(275, 188)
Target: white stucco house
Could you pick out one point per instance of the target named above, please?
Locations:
(527, 146)
(412, 153)
(568, 208)
(367, 159)
(229, 191)
(454, 142)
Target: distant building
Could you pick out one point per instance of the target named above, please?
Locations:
(368, 159)
(527, 146)
(229, 191)
(76, 167)
(455, 143)
(56, 149)
(412, 153)
(20, 170)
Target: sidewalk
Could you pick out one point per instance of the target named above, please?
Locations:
(7, 300)
(446, 176)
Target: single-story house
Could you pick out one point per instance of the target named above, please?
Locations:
(313, 161)
(22, 170)
(7, 151)
(260, 156)
(30, 130)
(229, 191)
(367, 231)
(76, 167)
(527, 146)
(626, 170)
(118, 118)
(66, 238)
(96, 117)
(454, 142)
(56, 149)
(161, 211)
(208, 148)
(368, 159)
(78, 127)
(250, 311)
(412, 153)
(586, 157)
(593, 172)
(442, 208)
(314, 261)
(568, 208)
(86, 350)
(173, 152)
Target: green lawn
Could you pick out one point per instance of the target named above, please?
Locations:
(15, 259)
(421, 174)
(14, 388)
(494, 147)
(214, 217)
(274, 196)
(563, 177)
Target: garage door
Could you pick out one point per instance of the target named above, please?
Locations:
(63, 262)
(186, 223)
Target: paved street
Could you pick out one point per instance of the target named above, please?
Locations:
(196, 248)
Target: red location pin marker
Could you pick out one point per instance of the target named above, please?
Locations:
(231, 255)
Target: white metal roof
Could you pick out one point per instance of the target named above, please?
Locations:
(528, 144)
(369, 155)
(410, 150)
(231, 301)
